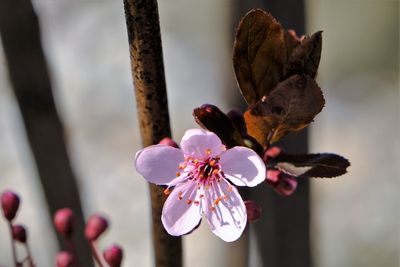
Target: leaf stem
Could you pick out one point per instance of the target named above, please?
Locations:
(14, 252)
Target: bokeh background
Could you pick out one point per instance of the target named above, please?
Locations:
(355, 218)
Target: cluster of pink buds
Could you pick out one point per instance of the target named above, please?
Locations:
(10, 204)
(95, 227)
(283, 183)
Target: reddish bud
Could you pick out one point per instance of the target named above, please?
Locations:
(253, 210)
(19, 233)
(271, 152)
(64, 222)
(9, 204)
(273, 176)
(287, 185)
(113, 255)
(64, 259)
(95, 226)
(169, 142)
(283, 183)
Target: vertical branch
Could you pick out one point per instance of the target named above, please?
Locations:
(151, 97)
(29, 76)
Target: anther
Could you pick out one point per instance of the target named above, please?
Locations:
(167, 191)
(208, 151)
(178, 174)
(189, 201)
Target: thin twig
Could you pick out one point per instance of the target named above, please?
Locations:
(96, 254)
(14, 252)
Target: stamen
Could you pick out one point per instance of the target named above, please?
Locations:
(182, 166)
(212, 208)
(212, 162)
(230, 189)
(180, 195)
(196, 202)
(215, 171)
(201, 196)
(167, 191)
(217, 200)
(178, 174)
(189, 201)
(208, 151)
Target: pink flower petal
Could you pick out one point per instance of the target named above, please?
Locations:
(158, 163)
(180, 216)
(242, 166)
(201, 144)
(228, 218)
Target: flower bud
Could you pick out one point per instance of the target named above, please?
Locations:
(9, 204)
(253, 210)
(64, 222)
(95, 226)
(271, 152)
(273, 176)
(287, 185)
(169, 142)
(113, 255)
(19, 233)
(64, 259)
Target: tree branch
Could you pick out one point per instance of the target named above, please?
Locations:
(151, 98)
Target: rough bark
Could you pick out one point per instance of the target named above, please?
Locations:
(29, 76)
(151, 98)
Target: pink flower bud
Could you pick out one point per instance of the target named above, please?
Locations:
(113, 255)
(287, 185)
(273, 176)
(9, 204)
(64, 259)
(253, 210)
(95, 226)
(169, 142)
(64, 222)
(271, 152)
(19, 233)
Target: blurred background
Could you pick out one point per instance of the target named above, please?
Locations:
(354, 218)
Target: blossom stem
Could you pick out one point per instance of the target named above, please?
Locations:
(96, 254)
(151, 97)
(14, 252)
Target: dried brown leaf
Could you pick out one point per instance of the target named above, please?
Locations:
(305, 57)
(259, 54)
(291, 106)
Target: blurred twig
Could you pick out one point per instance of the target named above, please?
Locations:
(151, 97)
(20, 34)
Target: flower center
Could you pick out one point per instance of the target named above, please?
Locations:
(206, 174)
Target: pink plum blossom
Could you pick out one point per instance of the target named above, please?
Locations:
(200, 179)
